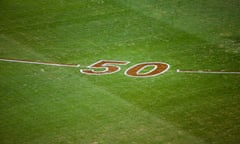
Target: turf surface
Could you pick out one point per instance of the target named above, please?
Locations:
(58, 105)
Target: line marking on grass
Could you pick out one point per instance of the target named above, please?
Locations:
(39, 63)
(207, 72)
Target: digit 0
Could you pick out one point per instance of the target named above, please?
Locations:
(136, 70)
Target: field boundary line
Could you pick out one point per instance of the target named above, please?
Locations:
(39, 63)
(207, 72)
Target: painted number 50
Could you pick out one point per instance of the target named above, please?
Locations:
(104, 67)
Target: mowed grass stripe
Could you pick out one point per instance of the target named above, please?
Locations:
(76, 115)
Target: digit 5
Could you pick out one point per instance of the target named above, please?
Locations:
(109, 66)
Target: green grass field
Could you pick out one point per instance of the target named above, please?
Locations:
(43, 104)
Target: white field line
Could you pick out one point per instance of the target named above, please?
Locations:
(39, 63)
(207, 72)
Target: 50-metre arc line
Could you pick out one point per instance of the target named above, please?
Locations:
(39, 63)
